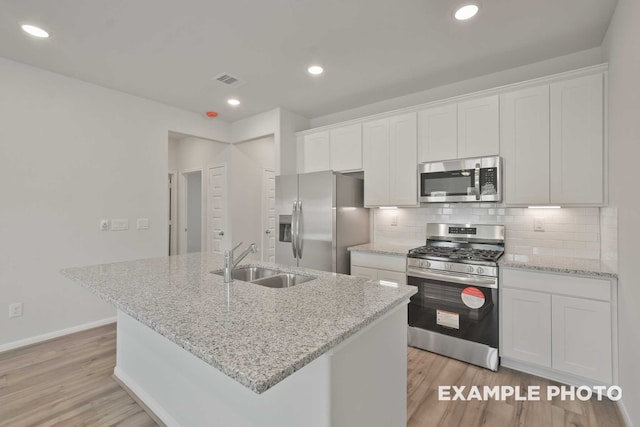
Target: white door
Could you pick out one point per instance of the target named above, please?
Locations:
(216, 208)
(577, 141)
(403, 159)
(582, 337)
(316, 152)
(438, 133)
(346, 148)
(479, 127)
(268, 248)
(524, 145)
(375, 157)
(526, 326)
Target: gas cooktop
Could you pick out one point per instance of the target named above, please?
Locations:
(459, 254)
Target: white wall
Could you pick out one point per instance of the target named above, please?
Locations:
(621, 48)
(72, 153)
(489, 81)
(248, 160)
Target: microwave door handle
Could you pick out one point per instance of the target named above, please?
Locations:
(477, 183)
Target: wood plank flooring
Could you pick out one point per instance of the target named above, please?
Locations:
(67, 382)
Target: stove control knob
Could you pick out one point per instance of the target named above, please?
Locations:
(426, 264)
(447, 266)
(480, 270)
(470, 269)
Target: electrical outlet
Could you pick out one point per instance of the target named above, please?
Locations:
(394, 220)
(142, 223)
(119, 224)
(15, 309)
(104, 225)
(538, 223)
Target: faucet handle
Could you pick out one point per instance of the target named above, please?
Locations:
(236, 247)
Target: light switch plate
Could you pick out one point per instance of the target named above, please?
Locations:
(15, 310)
(119, 224)
(538, 223)
(142, 223)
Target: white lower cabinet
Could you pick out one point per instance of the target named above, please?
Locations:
(376, 266)
(558, 325)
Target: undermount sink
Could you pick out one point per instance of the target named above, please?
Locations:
(268, 277)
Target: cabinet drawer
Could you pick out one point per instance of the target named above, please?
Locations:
(582, 287)
(379, 261)
(367, 273)
(392, 276)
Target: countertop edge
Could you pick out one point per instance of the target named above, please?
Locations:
(557, 269)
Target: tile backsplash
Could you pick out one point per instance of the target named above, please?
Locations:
(568, 232)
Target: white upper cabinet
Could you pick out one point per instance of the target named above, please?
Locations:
(316, 152)
(577, 141)
(479, 127)
(403, 158)
(346, 148)
(438, 133)
(524, 145)
(375, 157)
(390, 158)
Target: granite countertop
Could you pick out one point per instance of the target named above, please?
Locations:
(383, 248)
(587, 267)
(253, 334)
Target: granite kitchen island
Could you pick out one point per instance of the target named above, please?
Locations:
(197, 352)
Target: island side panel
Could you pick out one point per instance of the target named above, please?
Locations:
(182, 390)
(369, 375)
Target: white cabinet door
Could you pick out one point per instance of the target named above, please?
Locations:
(367, 273)
(524, 145)
(392, 276)
(479, 127)
(403, 159)
(577, 141)
(375, 157)
(346, 148)
(582, 337)
(316, 152)
(438, 133)
(526, 326)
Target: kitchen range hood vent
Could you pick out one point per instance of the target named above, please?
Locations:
(229, 80)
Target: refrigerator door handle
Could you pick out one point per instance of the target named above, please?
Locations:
(294, 214)
(299, 230)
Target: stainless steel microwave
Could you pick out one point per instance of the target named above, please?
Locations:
(463, 180)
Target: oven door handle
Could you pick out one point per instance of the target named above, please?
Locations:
(462, 279)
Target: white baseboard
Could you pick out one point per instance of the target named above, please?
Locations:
(151, 404)
(625, 414)
(549, 374)
(55, 334)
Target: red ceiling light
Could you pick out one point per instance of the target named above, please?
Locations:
(211, 114)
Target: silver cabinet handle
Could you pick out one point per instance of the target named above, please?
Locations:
(299, 230)
(267, 232)
(477, 181)
(220, 233)
(294, 214)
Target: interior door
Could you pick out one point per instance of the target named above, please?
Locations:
(268, 216)
(316, 195)
(216, 208)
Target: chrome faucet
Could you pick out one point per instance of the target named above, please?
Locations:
(230, 263)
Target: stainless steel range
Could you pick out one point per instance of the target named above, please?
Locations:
(455, 312)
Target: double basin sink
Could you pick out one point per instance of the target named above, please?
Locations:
(269, 277)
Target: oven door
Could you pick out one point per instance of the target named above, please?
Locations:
(459, 305)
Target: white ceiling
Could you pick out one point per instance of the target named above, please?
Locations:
(371, 49)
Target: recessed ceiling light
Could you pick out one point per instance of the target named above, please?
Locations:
(35, 31)
(315, 70)
(233, 101)
(467, 11)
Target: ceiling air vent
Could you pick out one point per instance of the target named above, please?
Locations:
(229, 80)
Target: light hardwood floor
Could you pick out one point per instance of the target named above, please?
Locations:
(67, 382)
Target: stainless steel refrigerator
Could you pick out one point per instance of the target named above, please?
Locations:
(319, 215)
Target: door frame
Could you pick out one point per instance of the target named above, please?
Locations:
(182, 213)
(173, 212)
(263, 213)
(226, 223)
